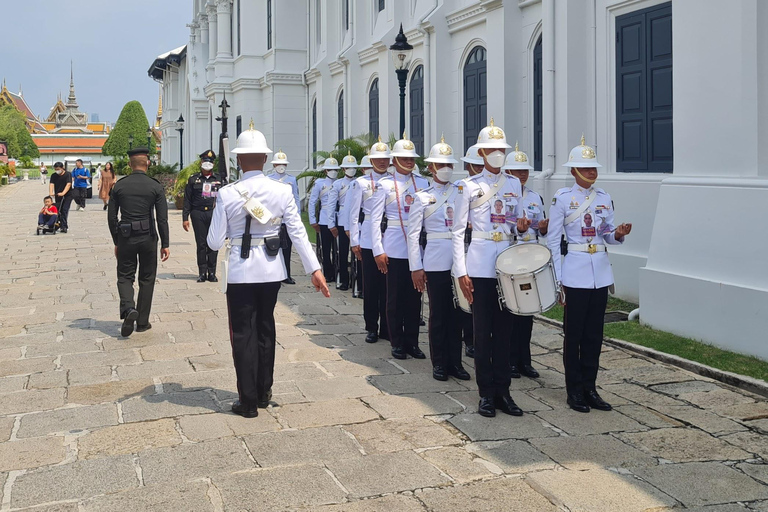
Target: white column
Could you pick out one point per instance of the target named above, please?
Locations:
(210, 8)
(224, 14)
(204, 29)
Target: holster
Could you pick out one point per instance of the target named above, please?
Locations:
(361, 218)
(384, 221)
(245, 249)
(272, 245)
(423, 238)
(563, 245)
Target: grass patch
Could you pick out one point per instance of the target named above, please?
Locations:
(668, 343)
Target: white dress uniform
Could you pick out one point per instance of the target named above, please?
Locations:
(532, 206)
(437, 203)
(285, 240)
(339, 193)
(389, 200)
(321, 192)
(288, 180)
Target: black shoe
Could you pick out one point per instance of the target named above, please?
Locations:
(212, 278)
(486, 407)
(529, 371)
(289, 280)
(143, 328)
(577, 403)
(596, 402)
(201, 279)
(399, 353)
(105, 207)
(439, 373)
(130, 318)
(469, 351)
(244, 410)
(422, 323)
(508, 406)
(263, 403)
(514, 371)
(415, 352)
(371, 337)
(63, 230)
(459, 372)
(343, 287)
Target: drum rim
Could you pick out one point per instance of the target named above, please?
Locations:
(526, 246)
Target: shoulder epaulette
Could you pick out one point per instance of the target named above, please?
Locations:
(562, 191)
(474, 178)
(600, 191)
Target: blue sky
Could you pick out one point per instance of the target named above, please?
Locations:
(111, 42)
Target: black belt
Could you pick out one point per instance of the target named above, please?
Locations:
(203, 208)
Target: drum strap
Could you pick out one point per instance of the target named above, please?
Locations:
(440, 202)
(586, 204)
(487, 196)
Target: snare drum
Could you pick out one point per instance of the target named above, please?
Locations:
(459, 300)
(526, 279)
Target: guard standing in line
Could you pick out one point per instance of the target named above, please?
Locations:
(392, 201)
(349, 217)
(339, 193)
(532, 206)
(581, 224)
(280, 165)
(321, 191)
(135, 238)
(431, 217)
(374, 282)
(199, 202)
(476, 271)
(250, 213)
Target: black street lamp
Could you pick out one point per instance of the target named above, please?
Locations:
(130, 142)
(401, 54)
(180, 129)
(149, 138)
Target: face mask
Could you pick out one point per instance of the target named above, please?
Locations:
(368, 171)
(60, 171)
(350, 172)
(207, 166)
(332, 174)
(280, 169)
(445, 174)
(496, 158)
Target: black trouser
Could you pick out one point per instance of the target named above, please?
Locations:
(343, 257)
(493, 337)
(403, 305)
(286, 245)
(327, 242)
(252, 333)
(144, 249)
(522, 327)
(206, 257)
(80, 193)
(467, 331)
(374, 296)
(63, 204)
(584, 318)
(444, 333)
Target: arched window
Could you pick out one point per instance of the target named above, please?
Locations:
(417, 108)
(475, 95)
(341, 115)
(373, 109)
(537, 106)
(314, 130)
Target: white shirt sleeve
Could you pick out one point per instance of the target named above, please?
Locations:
(298, 235)
(354, 199)
(217, 233)
(313, 198)
(460, 218)
(378, 202)
(556, 227)
(415, 222)
(333, 199)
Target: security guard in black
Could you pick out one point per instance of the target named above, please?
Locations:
(135, 236)
(199, 202)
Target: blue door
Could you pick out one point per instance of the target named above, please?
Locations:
(475, 96)
(417, 109)
(644, 133)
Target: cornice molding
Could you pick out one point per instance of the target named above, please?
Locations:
(371, 54)
(470, 16)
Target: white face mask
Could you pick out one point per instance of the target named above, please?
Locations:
(445, 174)
(367, 171)
(280, 169)
(350, 172)
(333, 173)
(59, 171)
(496, 158)
(207, 166)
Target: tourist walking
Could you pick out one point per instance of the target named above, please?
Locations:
(80, 177)
(43, 173)
(60, 188)
(106, 182)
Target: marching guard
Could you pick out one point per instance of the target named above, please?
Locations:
(339, 193)
(360, 236)
(488, 201)
(280, 166)
(250, 214)
(392, 201)
(321, 192)
(431, 218)
(532, 206)
(199, 202)
(580, 227)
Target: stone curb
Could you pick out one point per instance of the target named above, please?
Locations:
(750, 384)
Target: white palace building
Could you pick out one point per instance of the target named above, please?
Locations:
(673, 95)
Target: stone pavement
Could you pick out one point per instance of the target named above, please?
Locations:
(90, 421)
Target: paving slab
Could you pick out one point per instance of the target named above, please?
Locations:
(48, 380)
(716, 399)
(641, 395)
(406, 384)
(26, 366)
(175, 351)
(512, 457)
(31, 400)
(191, 497)
(479, 428)
(361, 368)
(697, 484)
(648, 417)
(594, 451)
(110, 391)
(401, 434)
(684, 445)
(336, 388)
(151, 369)
(6, 427)
(705, 420)
(128, 438)
(12, 384)
(111, 358)
(168, 405)
(202, 427)
(751, 442)
(88, 376)
(458, 463)
(333, 412)
(309, 446)
(756, 471)
(73, 419)
(394, 502)
(507, 494)
(596, 422)
(418, 404)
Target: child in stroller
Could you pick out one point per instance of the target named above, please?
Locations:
(46, 219)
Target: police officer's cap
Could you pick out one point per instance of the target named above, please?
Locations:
(138, 151)
(208, 156)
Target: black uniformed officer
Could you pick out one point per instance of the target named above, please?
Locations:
(135, 238)
(199, 202)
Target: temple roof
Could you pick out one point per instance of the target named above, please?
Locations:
(75, 143)
(17, 100)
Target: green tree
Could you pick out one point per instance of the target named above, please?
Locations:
(13, 129)
(132, 121)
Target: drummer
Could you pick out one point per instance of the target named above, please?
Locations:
(432, 212)
(491, 234)
(584, 271)
(532, 206)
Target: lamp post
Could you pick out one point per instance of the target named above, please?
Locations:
(149, 138)
(130, 142)
(180, 129)
(401, 55)
(222, 157)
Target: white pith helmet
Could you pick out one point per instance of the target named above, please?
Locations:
(366, 162)
(492, 137)
(441, 153)
(330, 163)
(280, 158)
(380, 150)
(517, 161)
(473, 156)
(404, 148)
(582, 156)
(349, 161)
(251, 142)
